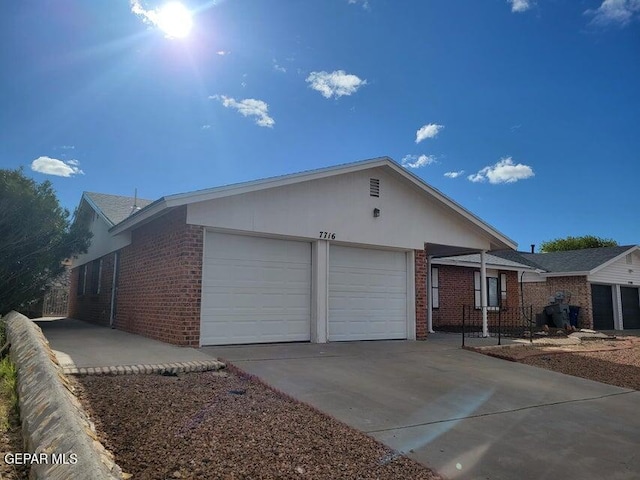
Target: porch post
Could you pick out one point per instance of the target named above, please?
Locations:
(429, 295)
(483, 293)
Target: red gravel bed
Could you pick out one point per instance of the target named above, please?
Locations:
(615, 362)
(210, 425)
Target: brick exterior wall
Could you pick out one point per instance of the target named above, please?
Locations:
(421, 294)
(93, 307)
(160, 280)
(538, 293)
(456, 289)
(159, 283)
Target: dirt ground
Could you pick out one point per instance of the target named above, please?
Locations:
(10, 442)
(211, 425)
(615, 362)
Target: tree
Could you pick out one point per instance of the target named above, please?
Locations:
(36, 236)
(576, 243)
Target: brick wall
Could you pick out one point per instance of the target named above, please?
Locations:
(456, 289)
(538, 293)
(160, 280)
(92, 307)
(421, 294)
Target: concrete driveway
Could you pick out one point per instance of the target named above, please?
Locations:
(466, 415)
(81, 344)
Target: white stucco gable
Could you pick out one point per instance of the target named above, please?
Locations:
(624, 270)
(336, 200)
(342, 206)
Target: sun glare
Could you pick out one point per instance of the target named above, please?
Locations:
(175, 20)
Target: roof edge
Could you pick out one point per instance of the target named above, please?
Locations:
(98, 210)
(180, 199)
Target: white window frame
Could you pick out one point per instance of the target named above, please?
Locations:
(435, 288)
(501, 294)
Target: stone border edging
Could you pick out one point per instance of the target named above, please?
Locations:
(53, 421)
(157, 368)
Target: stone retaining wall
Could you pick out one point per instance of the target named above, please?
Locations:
(53, 421)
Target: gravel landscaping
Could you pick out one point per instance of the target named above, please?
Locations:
(615, 362)
(228, 425)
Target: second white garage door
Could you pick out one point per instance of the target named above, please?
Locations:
(255, 290)
(367, 294)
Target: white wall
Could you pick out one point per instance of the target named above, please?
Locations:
(342, 205)
(102, 241)
(619, 272)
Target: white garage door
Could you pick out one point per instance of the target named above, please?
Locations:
(255, 290)
(367, 294)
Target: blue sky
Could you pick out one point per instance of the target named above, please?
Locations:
(525, 112)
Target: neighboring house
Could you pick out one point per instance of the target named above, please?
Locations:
(457, 290)
(333, 254)
(603, 282)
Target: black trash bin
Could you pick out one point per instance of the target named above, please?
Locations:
(574, 312)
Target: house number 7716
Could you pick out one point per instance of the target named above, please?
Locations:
(328, 235)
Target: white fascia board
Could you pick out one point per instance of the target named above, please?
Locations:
(238, 189)
(635, 248)
(494, 266)
(280, 181)
(92, 204)
(147, 213)
(437, 194)
(566, 274)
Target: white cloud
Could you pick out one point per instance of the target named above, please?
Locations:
(519, 6)
(248, 107)
(335, 84)
(148, 16)
(67, 147)
(619, 12)
(504, 171)
(222, 53)
(454, 174)
(430, 130)
(205, 127)
(365, 3)
(53, 166)
(415, 161)
(278, 68)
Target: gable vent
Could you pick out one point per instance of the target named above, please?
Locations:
(374, 187)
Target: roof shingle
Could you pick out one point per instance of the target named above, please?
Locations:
(115, 207)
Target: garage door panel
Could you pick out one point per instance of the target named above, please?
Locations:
(602, 303)
(367, 294)
(630, 297)
(255, 290)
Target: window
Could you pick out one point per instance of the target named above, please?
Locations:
(82, 279)
(435, 293)
(374, 187)
(496, 290)
(96, 274)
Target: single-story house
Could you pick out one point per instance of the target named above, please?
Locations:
(339, 253)
(457, 290)
(604, 282)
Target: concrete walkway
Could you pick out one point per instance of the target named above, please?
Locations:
(467, 415)
(79, 344)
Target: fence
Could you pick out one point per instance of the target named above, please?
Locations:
(56, 302)
(513, 322)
